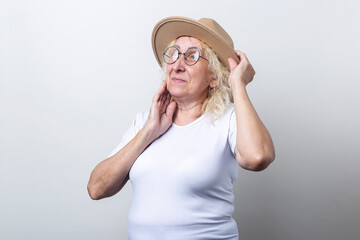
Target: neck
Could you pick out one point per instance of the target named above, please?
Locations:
(187, 113)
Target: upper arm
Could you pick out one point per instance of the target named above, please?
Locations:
(253, 160)
(137, 124)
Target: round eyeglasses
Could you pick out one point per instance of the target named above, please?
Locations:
(191, 56)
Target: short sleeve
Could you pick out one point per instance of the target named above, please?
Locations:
(232, 130)
(137, 124)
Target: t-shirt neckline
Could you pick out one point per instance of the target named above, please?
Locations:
(189, 124)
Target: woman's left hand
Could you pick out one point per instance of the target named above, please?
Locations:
(254, 147)
(242, 73)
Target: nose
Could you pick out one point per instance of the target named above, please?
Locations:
(179, 65)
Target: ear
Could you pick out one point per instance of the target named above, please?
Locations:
(213, 83)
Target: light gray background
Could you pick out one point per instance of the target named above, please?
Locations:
(74, 73)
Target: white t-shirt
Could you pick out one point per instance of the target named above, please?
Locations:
(182, 182)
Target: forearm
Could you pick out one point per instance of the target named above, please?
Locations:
(110, 175)
(254, 146)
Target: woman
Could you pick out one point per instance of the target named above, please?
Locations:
(182, 155)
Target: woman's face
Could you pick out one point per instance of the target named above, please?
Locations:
(188, 83)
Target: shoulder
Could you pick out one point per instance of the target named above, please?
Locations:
(230, 110)
(225, 120)
(227, 115)
(140, 120)
(142, 116)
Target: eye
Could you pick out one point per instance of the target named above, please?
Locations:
(192, 54)
(170, 55)
(174, 55)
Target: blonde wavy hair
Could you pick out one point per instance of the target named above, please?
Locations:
(219, 97)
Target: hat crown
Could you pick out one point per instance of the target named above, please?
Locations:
(214, 26)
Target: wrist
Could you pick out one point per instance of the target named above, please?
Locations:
(146, 135)
(237, 85)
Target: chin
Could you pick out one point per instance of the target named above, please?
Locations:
(175, 90)
(176, 93)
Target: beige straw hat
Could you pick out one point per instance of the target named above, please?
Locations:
(205, 29)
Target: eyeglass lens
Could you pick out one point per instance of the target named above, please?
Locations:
(191, 56)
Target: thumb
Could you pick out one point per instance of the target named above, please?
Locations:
(171, 109)
(233, 64)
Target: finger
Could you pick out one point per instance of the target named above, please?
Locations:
(171, 109)
(161, 93)
(165, 93)
(168, 97)
(242, 56)
(163, 85)
(158, 94)
(165, 102)
(233, 64)
(163, 97)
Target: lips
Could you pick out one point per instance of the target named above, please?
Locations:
(178, 80)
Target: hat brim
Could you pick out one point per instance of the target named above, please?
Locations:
(171, 28)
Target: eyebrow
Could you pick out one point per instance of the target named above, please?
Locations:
(178, 47)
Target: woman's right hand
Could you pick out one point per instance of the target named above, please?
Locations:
(161, 113)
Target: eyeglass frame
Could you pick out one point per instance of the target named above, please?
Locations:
(179, 53)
